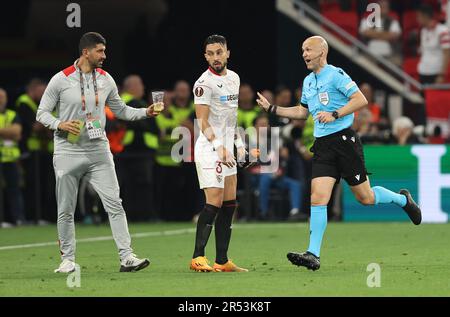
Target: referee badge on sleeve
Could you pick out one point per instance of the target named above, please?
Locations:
(323, 98)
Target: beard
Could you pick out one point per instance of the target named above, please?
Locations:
(218, 68)
(97, 64)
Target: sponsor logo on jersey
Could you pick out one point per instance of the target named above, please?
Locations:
(229, 98)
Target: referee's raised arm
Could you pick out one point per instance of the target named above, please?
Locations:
(296, 112)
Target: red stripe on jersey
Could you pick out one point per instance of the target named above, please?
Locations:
(69, 70)
(101, 71)
(213, 71)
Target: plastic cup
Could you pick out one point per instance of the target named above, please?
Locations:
(72, 138)
(157, 96)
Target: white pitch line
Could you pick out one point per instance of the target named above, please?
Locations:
(146, 235)
(103, 238)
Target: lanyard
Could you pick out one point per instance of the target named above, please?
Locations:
(83, 98)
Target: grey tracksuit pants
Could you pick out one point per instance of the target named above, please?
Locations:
(100, 172)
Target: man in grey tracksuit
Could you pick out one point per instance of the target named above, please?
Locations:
(79, 94)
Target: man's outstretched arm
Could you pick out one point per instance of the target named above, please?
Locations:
(124, 112)
(297, 112)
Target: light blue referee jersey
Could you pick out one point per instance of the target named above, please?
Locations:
(329, 90)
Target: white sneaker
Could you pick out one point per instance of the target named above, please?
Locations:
(66, 266)
(6, 225)
(293, 212)
(132, 264)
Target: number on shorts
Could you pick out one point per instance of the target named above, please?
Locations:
(219, 168)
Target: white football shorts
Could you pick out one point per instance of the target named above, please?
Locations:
(210, 171)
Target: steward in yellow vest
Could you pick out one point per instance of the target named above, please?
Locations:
(36, 147)
(10, 133)
(248, 110)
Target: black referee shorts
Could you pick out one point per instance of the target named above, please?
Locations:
(339, 155)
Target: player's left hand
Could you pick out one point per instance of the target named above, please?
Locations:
(325, 117)
(155, 109)
(241, 153)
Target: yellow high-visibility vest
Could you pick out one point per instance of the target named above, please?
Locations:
(246, 117)
(150, 139)
(163, 153)
(33, 142)
(9, 149)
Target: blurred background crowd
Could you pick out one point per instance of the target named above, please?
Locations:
(414, 36)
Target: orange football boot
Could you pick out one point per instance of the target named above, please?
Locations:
(228, 267)
(201, 264)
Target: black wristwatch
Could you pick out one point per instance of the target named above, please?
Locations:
(335, 114)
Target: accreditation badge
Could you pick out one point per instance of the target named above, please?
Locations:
(94, 129)
(323, 98)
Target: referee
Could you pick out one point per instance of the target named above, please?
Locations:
(331, 96)
(78, 94)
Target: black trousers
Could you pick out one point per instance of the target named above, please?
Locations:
(39, 192)
(137, 181)
(14, 206)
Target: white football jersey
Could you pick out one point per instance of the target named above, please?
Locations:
(221, 94)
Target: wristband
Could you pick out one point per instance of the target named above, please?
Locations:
(216, 143)
(272, 109)
(238, 143)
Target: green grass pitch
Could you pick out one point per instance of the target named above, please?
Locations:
(414, 261)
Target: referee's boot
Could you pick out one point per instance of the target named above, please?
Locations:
(411, 208)
(132, 264)
(306, 259)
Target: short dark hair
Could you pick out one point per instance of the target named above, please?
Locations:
(261, 115)
(90, 40)
(426, 10)
(280, 88)
(215, 38)
(34, 82)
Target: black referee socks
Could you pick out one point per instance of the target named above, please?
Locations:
(223, 230)
(204, 227)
